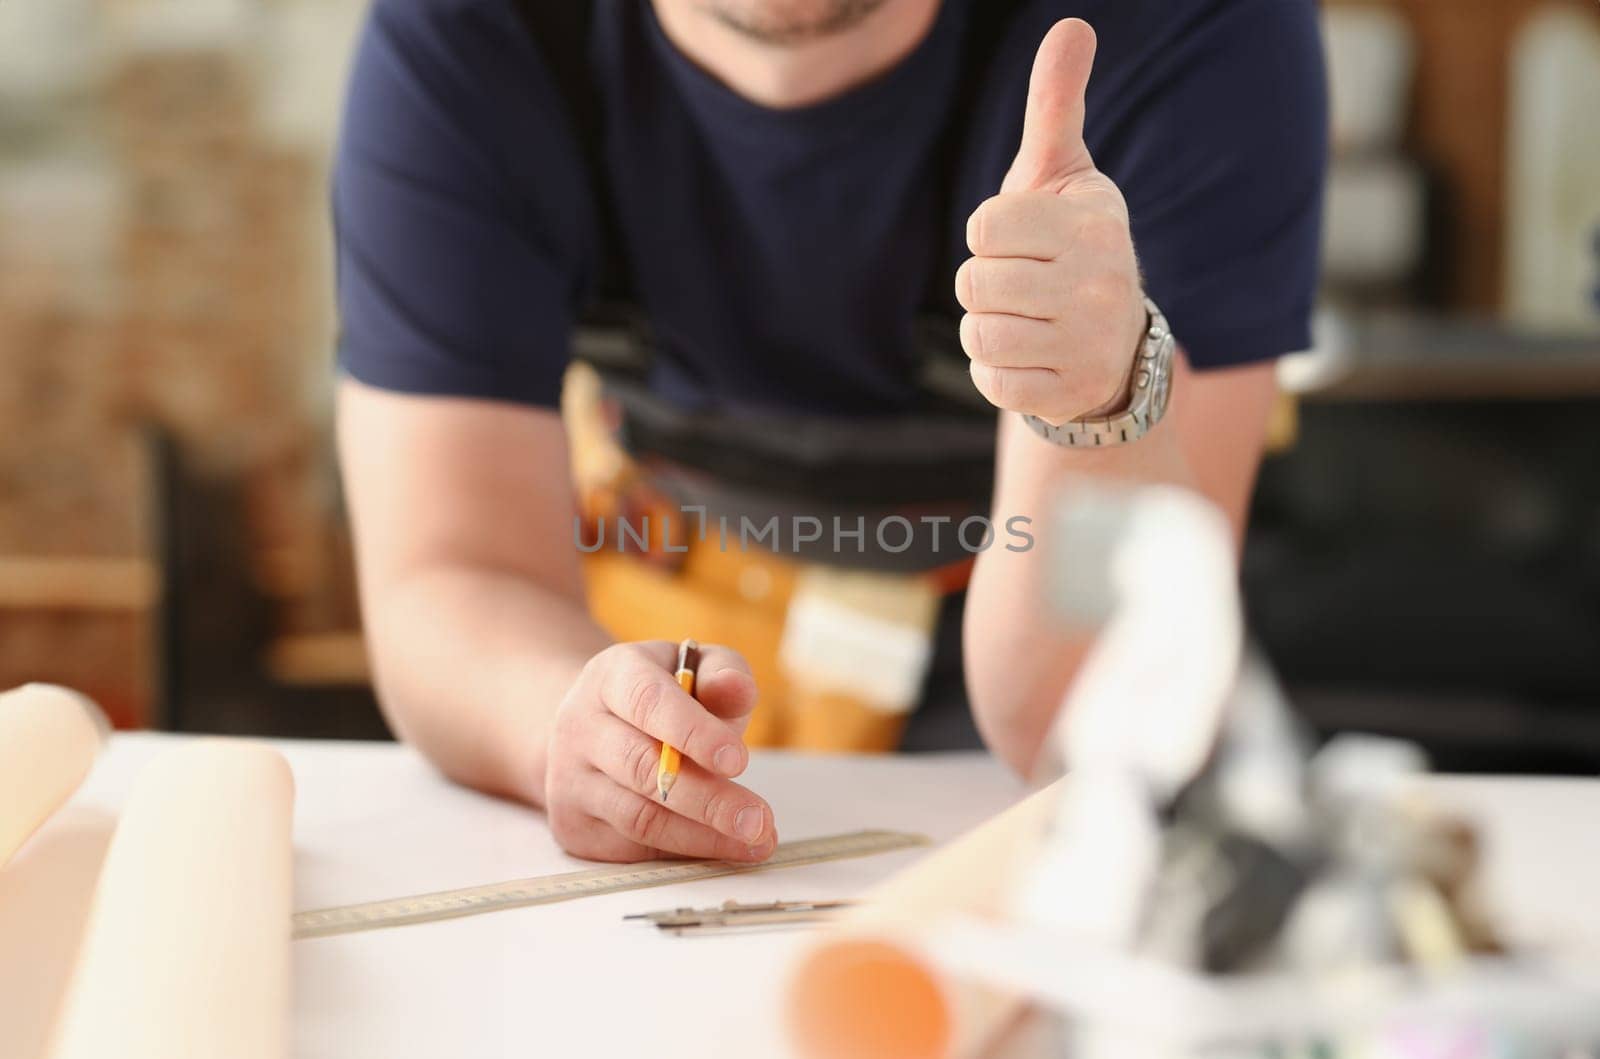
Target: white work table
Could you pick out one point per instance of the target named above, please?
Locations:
(373, 821)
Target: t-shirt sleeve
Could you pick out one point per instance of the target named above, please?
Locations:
(1219, 144)
(458, 219)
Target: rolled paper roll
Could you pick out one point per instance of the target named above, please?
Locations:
(186, 955)
(45, 894)
(49, 737)
(866, 989)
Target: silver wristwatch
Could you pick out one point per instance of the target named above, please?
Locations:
(1149, 390)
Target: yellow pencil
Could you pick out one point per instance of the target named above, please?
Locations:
(688, 665)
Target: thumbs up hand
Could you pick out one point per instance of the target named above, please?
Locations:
(1055, 311)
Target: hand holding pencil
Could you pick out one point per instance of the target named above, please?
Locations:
(643, 754)
(671, 759)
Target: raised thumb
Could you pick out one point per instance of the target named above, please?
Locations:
(1052, 150)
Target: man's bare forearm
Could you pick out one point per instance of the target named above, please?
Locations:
(1020, 656)
(471, 664)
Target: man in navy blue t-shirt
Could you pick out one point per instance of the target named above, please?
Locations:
(777, 175)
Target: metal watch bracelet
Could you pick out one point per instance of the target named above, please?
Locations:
(1150, 391)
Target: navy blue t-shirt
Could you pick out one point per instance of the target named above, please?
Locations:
(783, 255)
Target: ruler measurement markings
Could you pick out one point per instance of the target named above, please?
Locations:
(519, 893)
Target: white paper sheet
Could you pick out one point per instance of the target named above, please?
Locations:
(572, 979)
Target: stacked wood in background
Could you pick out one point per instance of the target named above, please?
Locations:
(77, 584)
(211, 259)
(224, 327)
(160, 273)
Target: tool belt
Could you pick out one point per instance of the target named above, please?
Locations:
(940, 458)
(931, 464)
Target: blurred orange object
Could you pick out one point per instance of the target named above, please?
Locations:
(865, 986)
(865, 999)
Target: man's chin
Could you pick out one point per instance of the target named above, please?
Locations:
(791, 21)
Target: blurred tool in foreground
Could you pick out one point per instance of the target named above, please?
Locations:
(1197, 881)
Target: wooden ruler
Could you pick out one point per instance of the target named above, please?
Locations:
(612, 879)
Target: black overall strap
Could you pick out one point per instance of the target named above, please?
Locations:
(561, 31)
(986, 26)
(942, 368)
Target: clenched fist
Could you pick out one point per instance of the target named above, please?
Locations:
(600, 780)
(1054, 306)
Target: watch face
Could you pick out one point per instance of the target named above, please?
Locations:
(1160, 390)
(1161, 372)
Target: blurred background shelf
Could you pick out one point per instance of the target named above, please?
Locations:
(1395, 356)
(320, 660)
(84, 583)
